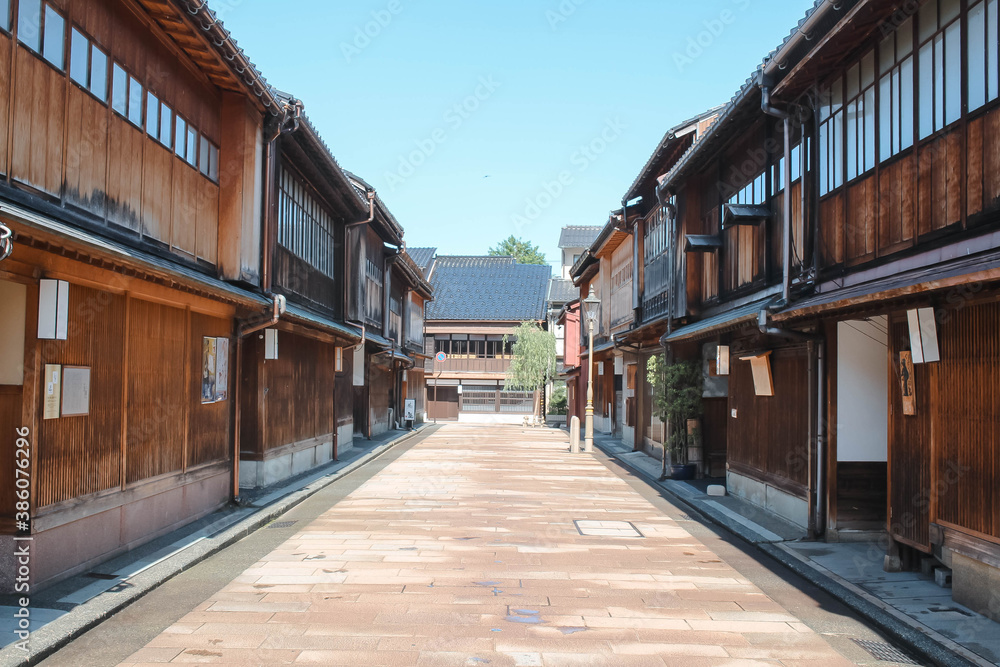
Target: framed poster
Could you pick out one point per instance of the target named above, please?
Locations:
(53, 391)
(75, 391)
(208, 369)
(338, 360)
(410, 409)
(221, 369)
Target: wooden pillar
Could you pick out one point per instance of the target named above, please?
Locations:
(125, 367)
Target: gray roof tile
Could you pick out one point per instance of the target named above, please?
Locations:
(491, 289)
(578, 236)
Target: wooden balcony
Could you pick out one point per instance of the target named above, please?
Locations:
(460, 365)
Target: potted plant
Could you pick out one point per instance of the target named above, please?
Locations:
(677, 398)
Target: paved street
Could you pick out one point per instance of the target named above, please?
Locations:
(492, 545)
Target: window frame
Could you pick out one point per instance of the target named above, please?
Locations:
(88, 83)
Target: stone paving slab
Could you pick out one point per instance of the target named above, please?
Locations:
(496, 573)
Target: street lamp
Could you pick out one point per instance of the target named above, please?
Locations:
(593, 311)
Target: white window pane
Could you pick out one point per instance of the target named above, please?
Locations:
(977, 56)
(192, 146)
(98, 73)
(869, 128)
(904, 39)
(939, 82)
(54, 46)
(953, 72)
(928, 20)
(886, 54)
(906, 103)
(5, 14)
(166, 125)
(29, 24)
(203, 156)
(992, 47)
(152, 115)
(180, 137)
(868, 69)
(926, 90)
(119, 89)
(213, 163)
(886, 114)
(838, 149)
(949, 10)
(824, 169)
(135, 101)
(853, 81)
(852, 140)
(796, 162)
(837, 96)
(79, 55)
(896, 104)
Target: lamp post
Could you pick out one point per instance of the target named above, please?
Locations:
(593, 311)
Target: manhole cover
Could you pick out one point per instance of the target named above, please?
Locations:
(282, 524)
(607, 528)
(884, 652)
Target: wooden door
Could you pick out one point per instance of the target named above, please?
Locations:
(909, 446)
(10, 419)
(714, 429)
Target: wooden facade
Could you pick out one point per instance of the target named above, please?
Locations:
(891, 204)
(180, 206)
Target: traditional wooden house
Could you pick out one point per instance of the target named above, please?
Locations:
(478, 301)
(837, 253)
(296, 376)
(131, 153)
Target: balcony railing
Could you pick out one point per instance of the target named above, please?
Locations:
(459, 365)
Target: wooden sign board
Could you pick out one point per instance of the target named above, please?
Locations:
(763, 381)
(75, 391)
(907, 384)
(52, 386)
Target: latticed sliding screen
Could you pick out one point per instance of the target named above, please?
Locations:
(304, 226)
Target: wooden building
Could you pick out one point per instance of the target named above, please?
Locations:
(829, 248)
(478, 301)
(178, 291)
(130, 159)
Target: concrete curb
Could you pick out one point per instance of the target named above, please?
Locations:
(60, 632)
(912, 636)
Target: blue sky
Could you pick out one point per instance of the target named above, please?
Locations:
(478, 120)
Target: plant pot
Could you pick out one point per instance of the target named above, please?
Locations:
(683, 471)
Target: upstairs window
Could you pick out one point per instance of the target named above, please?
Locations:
(43, 30)
(983, 53)
(126, 95)
(755, 192)
(895, 86)
(940, 65)
(88, 65)
(5, 15)
(208, 163)
(831, 139)
(159, 121)
(778, 177)
(306, 230)
(860, 116)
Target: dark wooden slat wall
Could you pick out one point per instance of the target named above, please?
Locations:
(770, 435)
(967, 447)
(158, 396)
(208, 426)
(5, 47)
(909, 447)
(78, 456)
(10, 419)
(298, 388)
(381, 388)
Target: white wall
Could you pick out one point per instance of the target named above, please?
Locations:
(862, 390)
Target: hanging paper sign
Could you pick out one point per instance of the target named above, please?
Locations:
(907, 384)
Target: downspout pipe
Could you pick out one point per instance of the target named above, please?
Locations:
(786, 236)
(278, 308)
(289, 121)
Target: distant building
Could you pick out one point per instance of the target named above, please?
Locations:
(573, 241)
(478, 301)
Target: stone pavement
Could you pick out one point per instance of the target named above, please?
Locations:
(492, 546)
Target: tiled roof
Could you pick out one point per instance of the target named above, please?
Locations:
(562, 291)
(422, 257)
(578, 236)
(489, 289)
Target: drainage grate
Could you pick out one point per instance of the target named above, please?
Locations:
(101, 575)
(884, 652)
(282, 524)
(607, 528)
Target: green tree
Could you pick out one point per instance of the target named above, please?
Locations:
(534, 359)
(558, 403)
(524, 252)
(677, 397)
